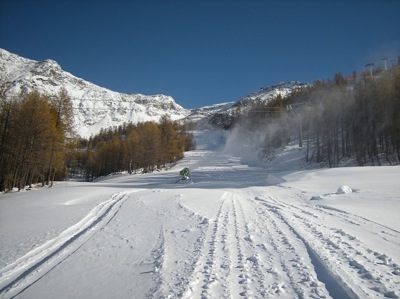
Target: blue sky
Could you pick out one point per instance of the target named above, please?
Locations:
(202, 52)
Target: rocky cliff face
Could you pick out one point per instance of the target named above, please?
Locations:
(95, 107)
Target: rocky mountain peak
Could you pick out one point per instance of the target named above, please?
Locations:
(96, 107)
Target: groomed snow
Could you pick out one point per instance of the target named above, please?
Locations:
(239, 230)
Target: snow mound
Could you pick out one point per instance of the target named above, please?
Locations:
(318, 197)
(341, 190)
(344, 190)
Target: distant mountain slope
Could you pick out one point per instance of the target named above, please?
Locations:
(96, 107)
(202, 117)
(269, 93)
(223, 115)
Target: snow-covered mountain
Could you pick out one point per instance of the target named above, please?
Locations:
(202, 117)
(223, 115)
(96, 107)
(269, 93)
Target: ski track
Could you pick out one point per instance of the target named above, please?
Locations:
(258, 245)
(33, 266)
(171, 270)
(290, 251)
(157, 259)
(361, 272)
(290, 266)
(251, 258)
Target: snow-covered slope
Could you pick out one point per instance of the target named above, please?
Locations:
(238, 231)
(269, 93)
(202, 116)
(223, 115)
(95, 107)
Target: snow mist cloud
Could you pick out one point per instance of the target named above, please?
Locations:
(249, 139)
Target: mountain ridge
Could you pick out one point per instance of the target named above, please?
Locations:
(97, 107)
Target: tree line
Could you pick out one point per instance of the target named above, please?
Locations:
(144, 147)
(38, 143)
(336, 120)
(34, 132)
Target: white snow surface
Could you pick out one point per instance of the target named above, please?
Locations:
(238, 230)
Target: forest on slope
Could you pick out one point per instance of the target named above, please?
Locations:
(34, 131)
(339, 120)
(38, 144)
(145, 147)
(344, 119)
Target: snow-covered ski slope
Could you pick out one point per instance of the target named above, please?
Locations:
(236, 231)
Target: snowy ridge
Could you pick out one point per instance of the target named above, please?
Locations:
(203, 112)
(95, 107)
(269, 93)
(203, 116)
(223, 115)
